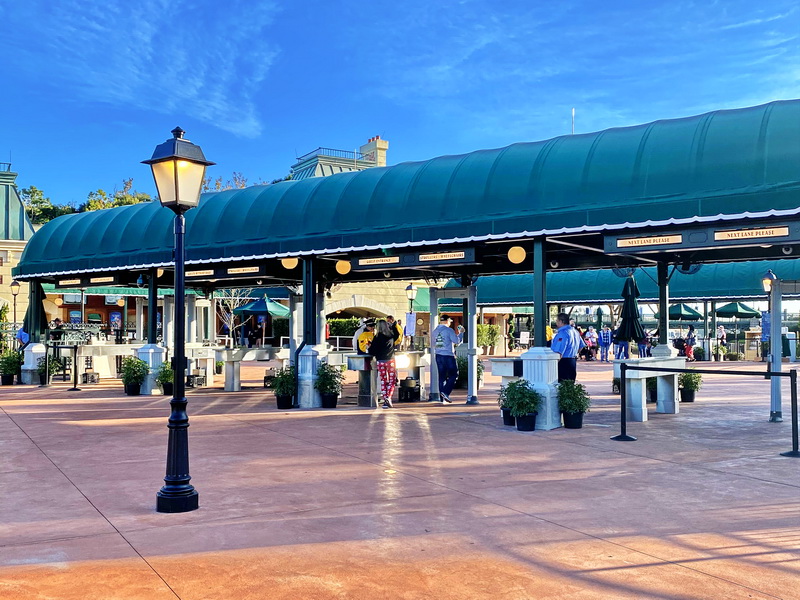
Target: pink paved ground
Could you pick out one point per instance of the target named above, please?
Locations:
(424, 501)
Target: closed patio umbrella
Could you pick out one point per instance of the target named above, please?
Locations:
(630, 329)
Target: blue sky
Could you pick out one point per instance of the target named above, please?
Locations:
(89, 87)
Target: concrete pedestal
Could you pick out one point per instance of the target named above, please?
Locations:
(30, 366)
(636, 392)
(663, 351)
(508, 369)
(153, 355)
(540, 369)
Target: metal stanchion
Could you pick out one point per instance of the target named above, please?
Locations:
(795, 452)
(74, 387)
(623, 401)
(46, 366)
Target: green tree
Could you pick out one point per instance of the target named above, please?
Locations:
(100, 199)
(40, 208)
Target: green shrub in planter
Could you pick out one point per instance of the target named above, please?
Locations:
(652, 384)
(463, 372)
(488, 335)
(520, 398)
(54, 365)
(699, 353)
(690, 381)
(134, 370)
(284, 382)
(330, 379)
(572, 397)
(165, 374)
(218, 366)
(734, 356)
(10, 362)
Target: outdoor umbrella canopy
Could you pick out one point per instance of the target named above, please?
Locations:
(630, 329)
(262, 307)
(737, 310)
(682, 312)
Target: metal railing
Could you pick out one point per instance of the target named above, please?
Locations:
(624, 368)
(346, 154)
(4, 166)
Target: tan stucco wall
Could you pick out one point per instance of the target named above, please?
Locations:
(10, 251)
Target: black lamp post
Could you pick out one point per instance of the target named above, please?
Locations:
(178, 169)
(14, 293)
(411, 294)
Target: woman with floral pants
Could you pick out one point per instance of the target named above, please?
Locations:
(382, 348)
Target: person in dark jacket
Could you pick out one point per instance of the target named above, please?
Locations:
(382, 348)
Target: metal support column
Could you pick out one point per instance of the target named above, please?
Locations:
(540, 312)
(152, 308)
(663, 303)
(776, 352)
(309, 301)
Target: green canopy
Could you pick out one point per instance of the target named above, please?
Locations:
(723, 165)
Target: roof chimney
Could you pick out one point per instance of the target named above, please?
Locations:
(375, 150)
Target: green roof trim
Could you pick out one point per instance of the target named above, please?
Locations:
(14, 221)
(742, 163)
(727, 281)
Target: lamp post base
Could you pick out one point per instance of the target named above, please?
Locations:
(177, 504)
(776, 416)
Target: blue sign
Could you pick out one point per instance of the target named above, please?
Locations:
(74, 316)
(765, 321)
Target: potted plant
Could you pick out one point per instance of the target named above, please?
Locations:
(218, 367)
(10, 362)
(689, 383)
(524, 403)
(165, 377)
(284, 384)
(47, 368)
(652, 389)
(699, 353)
(573, 402)
(463, 372)
(508, 418)
(330, 379)
(615, 383)
(134, 370)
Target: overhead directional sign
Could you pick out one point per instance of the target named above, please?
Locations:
(701, 238)
(418, 260)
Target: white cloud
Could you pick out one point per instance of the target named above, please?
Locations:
(207, 61)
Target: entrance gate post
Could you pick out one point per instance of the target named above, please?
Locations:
(151, 352)
(433, 387)
(472, 343)
(663, 348)
(540, 363)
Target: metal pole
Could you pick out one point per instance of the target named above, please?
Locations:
(472, 344)
(15, 312)
(152, 308)
(46, 365)
(663, 303)
(177, 494)
(623, 408)
(74, 387)
(540, 313)
(776, 351)
(83, 305)
(795, 452)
